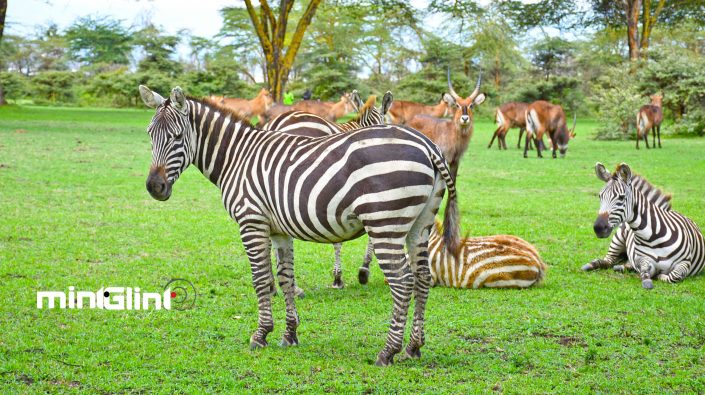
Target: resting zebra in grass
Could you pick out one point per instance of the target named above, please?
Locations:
(617, 252)
(660, 243)
(306, 124)
(386, 181)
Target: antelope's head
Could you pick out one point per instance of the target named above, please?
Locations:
(266, 98)
(657, 99)
(172, 136)
(463, 107)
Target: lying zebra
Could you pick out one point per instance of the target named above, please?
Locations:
(656, 241)
(500, 261)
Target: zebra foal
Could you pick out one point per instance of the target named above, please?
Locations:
(386, 181)
(660, 243)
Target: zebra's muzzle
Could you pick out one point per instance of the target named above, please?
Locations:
(157, 184)
(602, 226)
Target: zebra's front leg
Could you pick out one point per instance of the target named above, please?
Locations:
(284, 246)
(363, 274)
(258, 248)
(646, 268)
(418, 253)
(392, 260)
(677, 274)
(337, 270)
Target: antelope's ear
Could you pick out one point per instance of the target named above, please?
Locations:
(478, 100)
(601, 172)
(624, 172)
(151, 99)
(449, 99)
(387, 102)
(178, 99)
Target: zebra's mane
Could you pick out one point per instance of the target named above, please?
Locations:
(222, 109)
(653, 194)
(371, 101)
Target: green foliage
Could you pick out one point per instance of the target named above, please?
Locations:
(159, 49)
(618, 100)
(54, 87)
(15, 85)
(99, 40)
(565, 91)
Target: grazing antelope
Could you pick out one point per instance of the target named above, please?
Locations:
(402, 112)
(327, 189)
(247, 108)
(509, 115)
(544, 117)
(452, 135)
(500, 261)
(650, 116)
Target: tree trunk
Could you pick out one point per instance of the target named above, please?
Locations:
(271, 32)
(3, 11)
(648, 22)
(632, 10)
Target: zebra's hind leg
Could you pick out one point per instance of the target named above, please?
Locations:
(337, 271)
(363, 274)
(284, 246)
(646, 268)
(258, 248)
(677, 274)
(392, 260)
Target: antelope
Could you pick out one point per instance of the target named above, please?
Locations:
(402, 112)
(247, 108)
(326, 110)
(544, 117)
(650, 116)
(509, 115)
(452, 135)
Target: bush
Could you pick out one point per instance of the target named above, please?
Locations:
(15, 85)
(618, 100)
(54, 87)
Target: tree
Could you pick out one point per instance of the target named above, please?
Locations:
(550, 54)
(95, 41)
(158, 49)
(271, 32)
(3, 11)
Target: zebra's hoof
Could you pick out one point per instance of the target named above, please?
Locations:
(338, 283)
(619, 268)
(289, 340)
(587, 267)
(299, 293)
(413, 352)
(257, 343)
(647, 284)
(363, 275)
(663, 277)
(384, 360)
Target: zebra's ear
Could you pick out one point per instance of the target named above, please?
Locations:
(178, 99)
(151, 99)
(387, 102)
(356, 100)
(601, 172)
(624, 172)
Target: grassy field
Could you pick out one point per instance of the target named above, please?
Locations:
(74, 212)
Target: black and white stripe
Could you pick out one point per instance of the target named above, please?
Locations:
(660, 242)
(386, 181)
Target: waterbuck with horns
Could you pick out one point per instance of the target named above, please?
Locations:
(544, 117)
(452, 135)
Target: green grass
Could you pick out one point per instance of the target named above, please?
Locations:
(74, 211)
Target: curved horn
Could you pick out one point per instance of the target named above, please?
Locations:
(477, 87)
(450, 87)
(575, 119)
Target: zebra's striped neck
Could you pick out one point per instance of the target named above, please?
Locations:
(645, 216)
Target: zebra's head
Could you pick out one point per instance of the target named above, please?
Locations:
(616, 199)
(171, 135)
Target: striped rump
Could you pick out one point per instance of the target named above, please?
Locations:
(501, 261)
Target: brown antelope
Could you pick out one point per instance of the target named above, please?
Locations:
(509, 115)
(326, 110)
(650, 116)
(247, 108)
(452, 135)
(402, 112)
(544, 117)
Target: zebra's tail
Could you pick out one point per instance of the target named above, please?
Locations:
(451, 226)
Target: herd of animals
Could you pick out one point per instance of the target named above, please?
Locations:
(298, 174)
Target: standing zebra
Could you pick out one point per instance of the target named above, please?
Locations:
(659, 243)
(306, 124)
(387, 181)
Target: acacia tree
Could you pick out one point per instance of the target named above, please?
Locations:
(271, 32)
(3, 10)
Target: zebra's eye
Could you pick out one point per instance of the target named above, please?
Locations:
(178, 137)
